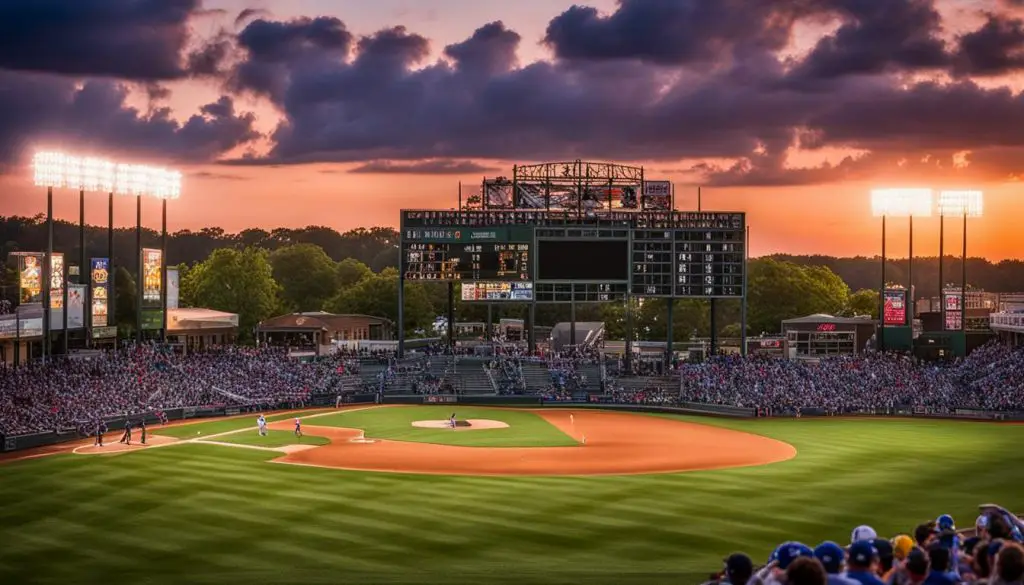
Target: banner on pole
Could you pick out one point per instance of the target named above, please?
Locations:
(100, 283)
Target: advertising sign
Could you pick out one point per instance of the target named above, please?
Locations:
(895, 305)
(173, 287)
(57, 281)
(30, 277)
(657, 195)
(76, 306)
(30, 322)
(152, 270)
(952, 311)
(100, 283)
(8, 326)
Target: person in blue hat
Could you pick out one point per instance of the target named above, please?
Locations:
(861, 563)
(780, 560)
(833, 558)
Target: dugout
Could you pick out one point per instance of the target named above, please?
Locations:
(821, 335)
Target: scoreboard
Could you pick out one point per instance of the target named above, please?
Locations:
(566, 257)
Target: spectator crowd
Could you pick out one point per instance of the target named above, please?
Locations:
(934, 553)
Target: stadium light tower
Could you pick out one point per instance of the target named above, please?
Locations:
(56, 169)
(966, 204)
(898, 203)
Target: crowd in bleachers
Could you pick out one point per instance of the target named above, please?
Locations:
(934, 553)
(991, 378)
(69, 393)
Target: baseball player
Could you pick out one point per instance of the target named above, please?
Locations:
(261, 425)
(100, 429)
(142, 429)
(451, 421)
(126, 438)
(298, 427)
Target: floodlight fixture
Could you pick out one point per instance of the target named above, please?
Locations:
(970, 203)
(57, 169)
(916, 202)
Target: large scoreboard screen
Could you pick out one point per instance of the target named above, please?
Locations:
(572, 258)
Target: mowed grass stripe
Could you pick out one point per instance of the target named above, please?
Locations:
(209, 512)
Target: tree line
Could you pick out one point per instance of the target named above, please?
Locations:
(259, 274)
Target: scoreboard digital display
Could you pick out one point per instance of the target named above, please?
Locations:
(497, 291)
(576, 258)
(484, 261)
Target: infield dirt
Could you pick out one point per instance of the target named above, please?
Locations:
(616, 444)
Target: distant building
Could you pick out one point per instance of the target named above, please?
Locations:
(199, 329)
(313, 332)
(820, 335)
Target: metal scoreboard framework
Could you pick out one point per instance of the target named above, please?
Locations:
(566, 256)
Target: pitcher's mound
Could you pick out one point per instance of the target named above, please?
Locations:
(473, 424)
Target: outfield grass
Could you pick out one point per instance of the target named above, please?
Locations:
(273, 439)
(205, 514)
(526, 429)
(205, 429)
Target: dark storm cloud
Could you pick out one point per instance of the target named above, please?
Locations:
(49, 111)
(127, 39)
(997, 48)
(273, 49)
(671, 33)
(429, 167)
(876, 37)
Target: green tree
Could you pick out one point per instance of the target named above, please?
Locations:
(306, 274)
(350, 271)
(235, 281)
(779, 290)
(863, 302)
(378, 296)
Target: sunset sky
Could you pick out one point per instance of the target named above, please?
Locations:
(341, 112)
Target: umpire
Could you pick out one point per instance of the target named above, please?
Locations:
(142, 429)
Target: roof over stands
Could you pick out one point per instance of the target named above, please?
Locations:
(192, 319)
(315, 321)
(825, 318)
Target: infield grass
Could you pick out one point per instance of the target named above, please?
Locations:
(525, 429)
(272, 440)
(207, 514)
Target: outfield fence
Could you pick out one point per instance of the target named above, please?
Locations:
(28, 441)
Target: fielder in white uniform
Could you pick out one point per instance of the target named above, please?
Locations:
(261, 424)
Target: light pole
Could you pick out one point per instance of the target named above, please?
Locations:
(967, 203)
(897, 203)
(56, 169)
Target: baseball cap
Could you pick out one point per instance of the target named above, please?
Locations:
(788, 552)
(831, 556)
(945, 522)
(981, 522)
(901, 546)
(884, 548)
(863, 552)
(863, 532)
(917, 561)
(738, 565)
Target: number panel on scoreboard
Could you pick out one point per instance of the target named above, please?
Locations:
(709, 262)
(652, 263)
(470, 261)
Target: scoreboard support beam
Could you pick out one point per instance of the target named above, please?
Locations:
(669, 336)
(628, 358)
(451, 316)
(532, 335)
(743, 302)
(572, 323)
(400, 326)
(714, 327)
(489, 330)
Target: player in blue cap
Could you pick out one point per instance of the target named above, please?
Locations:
(833, 557)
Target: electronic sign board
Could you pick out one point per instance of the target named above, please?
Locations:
(497, 291)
